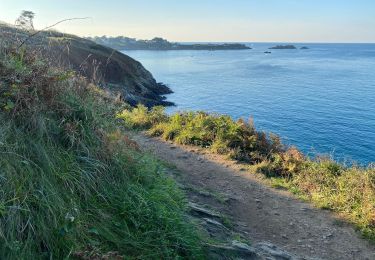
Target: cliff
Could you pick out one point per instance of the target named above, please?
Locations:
(104, 66)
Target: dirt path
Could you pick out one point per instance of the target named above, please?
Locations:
(257, 211)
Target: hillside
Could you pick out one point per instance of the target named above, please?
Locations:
(101, 65)
(160, 44)
(73, 185)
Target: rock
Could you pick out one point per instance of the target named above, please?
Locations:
(202, 211)
(273, 252)
(242, 224)
(304, 48)
(263, 250)
(204, 193)
(215, 229)
(242, 246)
(283, 47)
(329, 235)
(228, 252)
(215, 223)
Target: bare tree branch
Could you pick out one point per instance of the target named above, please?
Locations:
(49, 27)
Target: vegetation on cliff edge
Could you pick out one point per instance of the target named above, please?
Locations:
(349, 191)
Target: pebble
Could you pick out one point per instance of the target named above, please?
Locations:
(328, 236)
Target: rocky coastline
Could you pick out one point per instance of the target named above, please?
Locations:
(125, 43)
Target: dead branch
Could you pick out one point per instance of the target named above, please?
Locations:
(49, 27)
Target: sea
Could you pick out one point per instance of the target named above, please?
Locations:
(321, 100)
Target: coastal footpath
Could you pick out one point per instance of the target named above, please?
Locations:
(80, 181)
(277, 223)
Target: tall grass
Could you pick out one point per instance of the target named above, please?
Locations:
(349, 191)
(72, 183)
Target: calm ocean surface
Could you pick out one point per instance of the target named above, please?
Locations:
(322, 100)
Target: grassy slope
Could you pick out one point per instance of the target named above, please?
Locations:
(72, 184)
(349, 191)
(102, 65)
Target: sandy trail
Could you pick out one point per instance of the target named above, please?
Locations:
(259, 212)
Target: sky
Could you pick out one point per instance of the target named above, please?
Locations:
(207, 20)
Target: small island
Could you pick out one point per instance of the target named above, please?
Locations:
(160, 44)
(283, 47)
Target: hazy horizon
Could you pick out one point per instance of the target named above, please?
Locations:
(288, 21)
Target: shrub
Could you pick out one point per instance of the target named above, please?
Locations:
(238, 139)
(347, 190)
(141, 117)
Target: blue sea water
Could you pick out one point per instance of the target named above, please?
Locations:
(322, 99)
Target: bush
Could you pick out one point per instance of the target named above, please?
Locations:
(140, 117)
(349, 191)
(238, 139)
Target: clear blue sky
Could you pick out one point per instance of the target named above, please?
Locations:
(208, 20)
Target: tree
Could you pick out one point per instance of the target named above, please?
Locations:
(25, 20)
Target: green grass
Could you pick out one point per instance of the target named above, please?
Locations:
(73, 185)
(349, 191)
